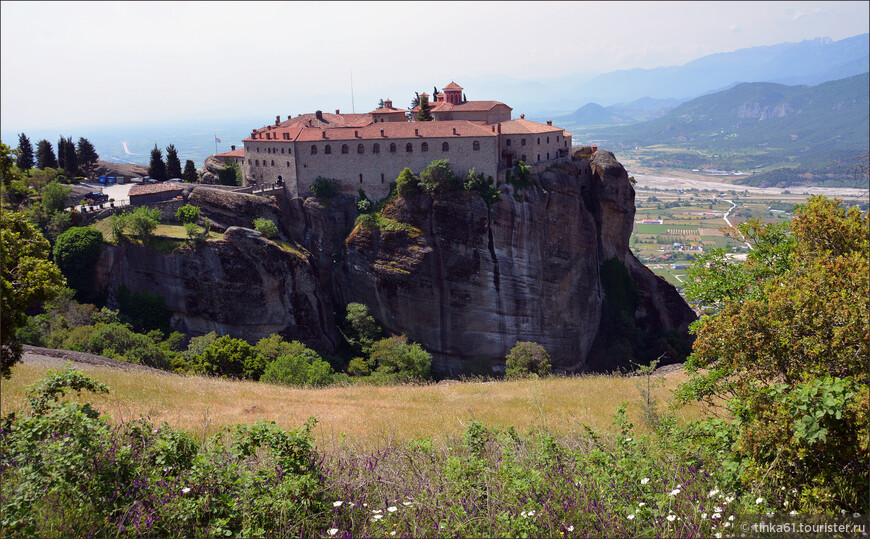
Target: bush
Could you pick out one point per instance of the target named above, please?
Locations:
(527, 359)
(266, 227)
(395, 360)
(76, 252)
(407, 183)
(230, 174)
(229, 357)
(55, 197)
(187, 214)
(304, 367)
(325, 189)
(143, 221)
(143, 310)
(361, 328)
(486, 188)
(437, 176)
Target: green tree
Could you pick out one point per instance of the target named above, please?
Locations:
(438, 176)
(380, 104)
(486, 188)
(190, 175)
(787, 353)
(87, 157)
(187, 214)
(229, 357)
(396, 360)
(173, 164)
(266, 227)
(25, 153)
(362, 330)
(55, 196)
(230, 174)
(527, 359)
(298, 367)
(28, 277)
(66, 157)
(424, 115)
(143, 310)
(75, 253)
(325, 188)
(407, 183)
(45, 157)
(143, 222)
(157, 168)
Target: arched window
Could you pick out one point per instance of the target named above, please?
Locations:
(313, 149)
(539, 158)
(392, 147)
(539, 140)
(445, 147)
(376, 148)
(257, 162)
(522, 142)
(282, 150)
(273, 162)
(548, 156)
(360, 149)
(258, 149)
(409, 148)
(328, 149)
(548, 140)
(508, 142)
(288, 164)
(344, 148)
(249, 162)
(476, 146)
(557, 138)
(424, 147)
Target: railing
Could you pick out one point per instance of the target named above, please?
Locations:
(267, 189)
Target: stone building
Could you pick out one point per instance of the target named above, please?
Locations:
(141, 195)
(368, 151)
(233, 155)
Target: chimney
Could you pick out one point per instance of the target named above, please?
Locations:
(319, 114)
(549, 122)
(388, 104)
(253, 133)
(522, 116)
(493, 128)
(324, 134)
(356, 134)
(337, 112)
(233, 148)
(417, 132)
(277, 120)
(454, 130)
(309, 122)
(382, 133)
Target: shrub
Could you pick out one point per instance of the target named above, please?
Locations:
(304, 367)
(325, 189)
(76, 252)
(362, 329)
(187, 214)
(143, 221)
(407, 183)
(55, 197)
(437, 176)
(230, 174)
(395, 360)
(266, 227)
(358, 366)
(486, 188)
(117, 225)
(229, 357)
(143, 310)
(527, 359)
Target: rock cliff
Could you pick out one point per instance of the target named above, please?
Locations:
(465, 279)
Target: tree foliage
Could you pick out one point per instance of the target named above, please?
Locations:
(143, 310)
(407, 183)
(189, 175)
(230, 174)
(143, 222)
(362, 329)
(439, 177)
(486, 188)
(297, 365)
(157, 167)
(25, 160)
(76, 252)
(187, 214)
(67, 158)
(787, 355)
(28, 277)
(527, 359)
(266, 227)
(229, 357)
(87, 157)
(173, 164)
(424, 114)
(55, 196)
(45, 157)
(394, 359)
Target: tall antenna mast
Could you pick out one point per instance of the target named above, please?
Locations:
(352, 107)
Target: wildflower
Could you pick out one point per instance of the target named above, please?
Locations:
(856, 515)
(332, 531)
(758, 500)
(406, 503)
(671, 518)
(641, 504)
(392, 509)
(531, 513)
(570, 528)
(337, 503)
(718, 535)
(393, 532)
(713, 492)
(718, 509)
(716, 515)
(731, 517)
(628, 439)
(793, 513)
(675, 492)
(644, 481)
(185, 490)
(785, 503)
(376, 517)
(729, 499)
(727, 524)
(377, 511)
(630, 517)
(703, 516)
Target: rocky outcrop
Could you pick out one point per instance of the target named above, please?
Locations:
(244, 285)
(228, 208)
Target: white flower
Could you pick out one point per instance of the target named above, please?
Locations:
(392, 509)
(703, 516)
(856, 515)
(332, 531)
(718, 509)
(185, 490)
(713, 492)
(365, 505)
(769, 514)
(337, 503)
(641, 504)
(716, 515)
(523, 514)
(718, 535)
(785, 503)
(729, 499)
(630, 517)
(675, 492)
(628, 439)
(570, 528)
(406, 503)
(376, 517)
(377, 511)
(793, 513)
(758, 500)
(781, 488)
(644, 481)
(731, 517)
(531, 513)
(672, 518)
(393, 532)
(727, 524)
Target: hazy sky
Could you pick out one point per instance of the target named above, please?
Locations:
(80, 64)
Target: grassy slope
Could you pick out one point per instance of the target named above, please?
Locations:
(366, 415)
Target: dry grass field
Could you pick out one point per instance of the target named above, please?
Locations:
(361, 416)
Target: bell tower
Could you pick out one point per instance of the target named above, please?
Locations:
(453, 93)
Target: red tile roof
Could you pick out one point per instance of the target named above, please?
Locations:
(467, 106)
(385, 110)
(238, 152)
(522, 127)
(452, 86)
(150, 189)
(396, 130)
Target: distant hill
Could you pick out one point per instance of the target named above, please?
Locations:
(593, 114)
(755, 124)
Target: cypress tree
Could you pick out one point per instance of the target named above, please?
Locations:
(173, 165)
(45, 157)
(87, 157)
(25, 153)
(72, 162)
(61, 153)
(424, 115)
(157, 168)
(189, 175)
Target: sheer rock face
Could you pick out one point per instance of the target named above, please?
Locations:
(245, 286)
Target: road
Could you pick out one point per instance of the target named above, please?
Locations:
(733, 205)
(674, 182)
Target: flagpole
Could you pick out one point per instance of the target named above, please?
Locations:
(215, 144)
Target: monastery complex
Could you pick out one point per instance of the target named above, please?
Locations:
(369, 150)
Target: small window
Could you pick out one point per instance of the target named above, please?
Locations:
(382, 177)
(360, 149)
(522, 142)
(289, 151)
(376, 148)
(282, 150)
(328, 149)
(392, 147)
(313, 149)
(476, 146)
(424, 147)
(273, 162)
(445, 147)
(539, 158)
(360, 178)
(548, 156)
(288, 164)
(539, 141)
(344, 148)
(249, 162)
(258, 149)
(557, 138)
(508, 142)
(524, 158)
(257, 163)
(548, 140)
(409, 148)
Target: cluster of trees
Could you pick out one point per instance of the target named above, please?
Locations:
(169, 169)
(73, 159)
(438, 177)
